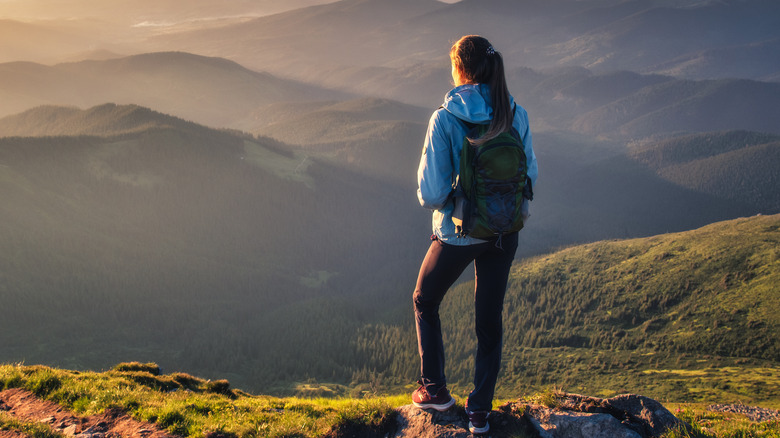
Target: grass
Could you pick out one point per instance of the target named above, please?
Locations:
(708, 424)
(190, 406)
(193, 407)
(664, 376)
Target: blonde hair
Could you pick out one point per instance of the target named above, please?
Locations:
(477, 62)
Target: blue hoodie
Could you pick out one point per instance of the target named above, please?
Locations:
(440, 162)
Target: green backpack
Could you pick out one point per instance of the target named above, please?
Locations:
(492, 183)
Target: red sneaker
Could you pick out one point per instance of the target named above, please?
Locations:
(441, 401)
(478, 421)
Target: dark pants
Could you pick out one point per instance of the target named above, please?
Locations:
(442, 266)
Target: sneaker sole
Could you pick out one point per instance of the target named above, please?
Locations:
(440, 408)
(473, 429)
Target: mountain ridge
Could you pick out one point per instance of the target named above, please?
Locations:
(102, 120)
(226, 91)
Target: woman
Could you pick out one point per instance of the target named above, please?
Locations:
(480, 96)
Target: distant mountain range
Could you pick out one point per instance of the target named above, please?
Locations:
(691, 39)
(211, 91)
(220, 93)
(606, 35)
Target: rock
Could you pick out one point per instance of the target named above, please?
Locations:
(570, 416)
(421, 423)
(628, 416)
(646, 414)
(553, 423)
(71, 430)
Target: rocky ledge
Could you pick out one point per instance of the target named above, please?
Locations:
(566, 415)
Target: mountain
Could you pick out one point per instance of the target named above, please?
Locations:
(375, 136)
(752, 60)
(681, 105)
(620, 316)
(604, 35)
(736, 165)
(202, 248)
(349, 39)
(662, 32)
(41, 41)
(210, 91)
(626, 105)
(54, 31)
(103, 120)
(312, 40)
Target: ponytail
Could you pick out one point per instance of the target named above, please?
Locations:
(478, 62)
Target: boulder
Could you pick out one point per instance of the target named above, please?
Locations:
(567, 416)
(554, 423)
(427, 423)
(574, 416)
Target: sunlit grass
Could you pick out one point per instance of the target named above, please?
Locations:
(189, 406)
(193, 407)
(709, 424)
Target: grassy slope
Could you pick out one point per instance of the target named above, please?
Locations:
(190, 406)
(686, 316)
(695, 300)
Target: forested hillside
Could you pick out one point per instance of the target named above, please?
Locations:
(736, 165)
(626, 316)
(202, 249)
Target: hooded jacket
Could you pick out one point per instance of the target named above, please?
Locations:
(440, 162)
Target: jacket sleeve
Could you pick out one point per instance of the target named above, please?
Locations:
(435, 173)
(523, 127)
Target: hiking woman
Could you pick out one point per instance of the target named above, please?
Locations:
(480, 96)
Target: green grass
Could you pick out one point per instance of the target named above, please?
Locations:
(668, 377)
(193, 407)
(708, 424)
(189, 406)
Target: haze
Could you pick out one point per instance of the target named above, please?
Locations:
(221, 187)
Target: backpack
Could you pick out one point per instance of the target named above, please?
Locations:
(491, 185)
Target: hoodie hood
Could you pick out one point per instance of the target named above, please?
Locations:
(470, 102)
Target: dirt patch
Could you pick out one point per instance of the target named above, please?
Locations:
(11, 434)
(113, 423)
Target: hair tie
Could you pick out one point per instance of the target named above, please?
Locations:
(490, 51)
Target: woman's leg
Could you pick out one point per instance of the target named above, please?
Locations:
(492, 273)
(441, 267)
